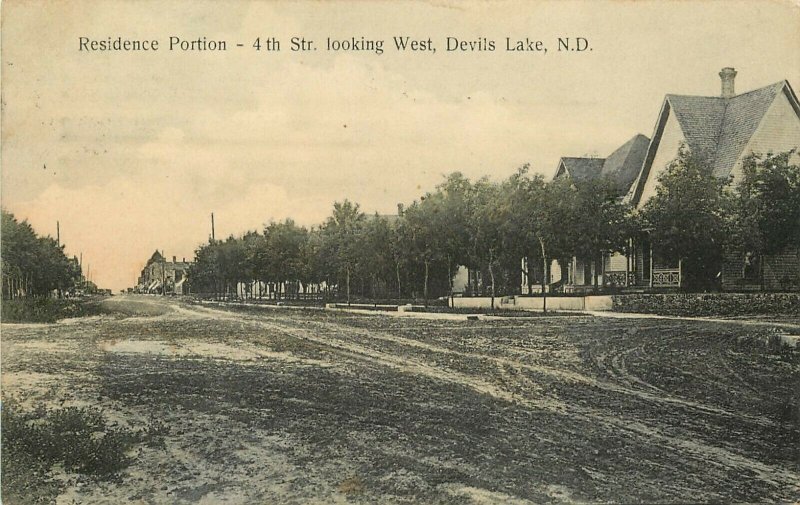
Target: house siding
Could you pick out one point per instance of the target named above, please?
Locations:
(779, 131)
(668, 147)
(781, 273)
(616, 262)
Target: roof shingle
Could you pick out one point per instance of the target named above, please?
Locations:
(622, 166)
(718, 129)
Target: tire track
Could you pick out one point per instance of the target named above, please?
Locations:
(330, 335)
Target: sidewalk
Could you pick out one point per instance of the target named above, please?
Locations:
(746, 322)
(488, 317)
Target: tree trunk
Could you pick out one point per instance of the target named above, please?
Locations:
(348, 285)
(425, 287)
(544, 276)
(491, 273)
(450, 280)
(399, 291)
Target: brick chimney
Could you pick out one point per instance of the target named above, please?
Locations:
(727, 75)
(174, 258)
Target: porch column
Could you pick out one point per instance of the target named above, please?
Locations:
(628, 263)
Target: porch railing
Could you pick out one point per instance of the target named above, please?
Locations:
(666, 278)
(619, 278)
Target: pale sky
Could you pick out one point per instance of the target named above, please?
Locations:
(140, 148)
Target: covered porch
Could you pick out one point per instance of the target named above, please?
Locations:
(640, 269)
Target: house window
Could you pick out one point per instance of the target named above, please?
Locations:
(750, 268)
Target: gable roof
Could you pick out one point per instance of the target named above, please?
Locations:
(580, 168)
(155, 258)
(622, 166)
(715, 128)
(742, 117)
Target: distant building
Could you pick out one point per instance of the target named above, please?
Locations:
(160, 276)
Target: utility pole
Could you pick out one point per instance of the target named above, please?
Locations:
(213, 237)
(58, 233)
(163, 276)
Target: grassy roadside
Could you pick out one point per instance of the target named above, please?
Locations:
(76, 439)
(46, 310)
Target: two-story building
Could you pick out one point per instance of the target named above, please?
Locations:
(164, 277)
(723, 130)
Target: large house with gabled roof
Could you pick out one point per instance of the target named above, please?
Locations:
(621, 167)
(723, 130)
(160, 276)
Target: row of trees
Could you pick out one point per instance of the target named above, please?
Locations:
(482, 225)
(33, 266)
(489, 226)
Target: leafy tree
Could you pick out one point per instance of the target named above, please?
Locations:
(552, 205)
(375, 254)
(686, 218)
(601, 224)
(204, 270)
(420, 239)
(454, 200)
(252, 242)
(400, 245)
(284, 250)
(33, 265)
(764, 214)
(519, 202)
(486, 220)
(341, 234)
(314, 269)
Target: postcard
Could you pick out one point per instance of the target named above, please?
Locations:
(462, 252)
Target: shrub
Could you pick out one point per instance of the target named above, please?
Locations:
(710, 304)
(79, 438)
(45, 310)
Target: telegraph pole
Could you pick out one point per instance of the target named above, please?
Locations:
(58, 233)
(213, 237)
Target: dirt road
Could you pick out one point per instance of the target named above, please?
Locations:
(286, 406)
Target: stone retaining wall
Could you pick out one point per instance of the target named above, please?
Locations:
(709, 304)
